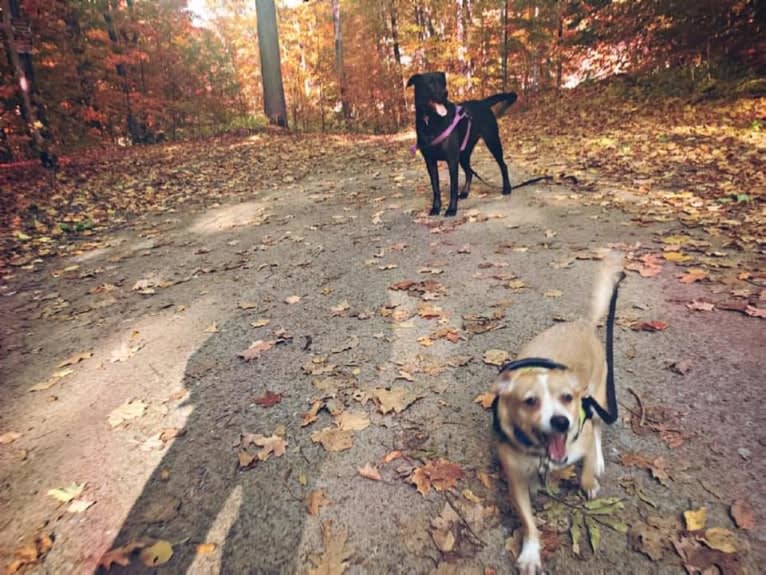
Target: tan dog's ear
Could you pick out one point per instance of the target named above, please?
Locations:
(503, 385)
(414, 79)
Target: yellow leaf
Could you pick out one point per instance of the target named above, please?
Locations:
(206, 548)
(720, 539)
(66, 494)
(676, 257)
(695, 519)
(157, 554)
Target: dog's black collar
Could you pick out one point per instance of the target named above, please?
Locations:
(531, 362)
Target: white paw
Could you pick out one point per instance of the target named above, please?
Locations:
(593, 491)
(529, 562)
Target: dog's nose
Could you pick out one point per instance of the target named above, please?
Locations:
(560, 423)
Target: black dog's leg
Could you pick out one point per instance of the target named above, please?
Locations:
(453, 175)
(492, 139)
(465, 162)
(433, 173)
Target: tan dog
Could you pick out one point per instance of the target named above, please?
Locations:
(542, 414)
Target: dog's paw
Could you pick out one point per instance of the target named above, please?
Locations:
(434, 212)
(450, 212)
(529, 562)
(592, 492)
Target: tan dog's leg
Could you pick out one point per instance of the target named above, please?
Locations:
(529, 561)
(593, 464)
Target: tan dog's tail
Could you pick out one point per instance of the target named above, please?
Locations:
(608, 276)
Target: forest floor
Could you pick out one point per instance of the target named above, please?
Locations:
(259, 355)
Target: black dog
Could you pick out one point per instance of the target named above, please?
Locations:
(449, 132)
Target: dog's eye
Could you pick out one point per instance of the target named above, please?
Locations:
(530, 401)
(567, 398)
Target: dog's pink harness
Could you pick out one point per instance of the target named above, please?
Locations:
(459, 115)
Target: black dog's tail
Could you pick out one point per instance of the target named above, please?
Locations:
(505, 99)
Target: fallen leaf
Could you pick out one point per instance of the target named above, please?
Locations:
(693, 275)
(129, 410)
(396, 399)
(120, 555)
(340, 308)
(700, 305)
(753, 311)
(742, 513)
(352, 421)
(260, 322)
(212, 328)
(66, 494)
(676, 257)
(256, 349)
(269, 445)
(79, 505)
(654, 325)
(247, 305)
(293, 299)
(695, 519)
(158, 553)
(720, 539)
(76, 358)
(171, 433)
(485, 399)
(681, 367)
(333, 439)
(553, 293)
(9, 437)
(314, 500)
(648, 540)
(440, 474)
(495, 357)
(648, 266)
(52, 380)
(350, 343)
(310, 416)
(269, 399)
(30, 553)
(594, 533)
(334, 560)
(429, 311)
(370, 472)
(391, 455)
(205, 548)
(442, 529)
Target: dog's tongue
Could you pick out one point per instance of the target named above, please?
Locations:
(440, 109)
(557, 447)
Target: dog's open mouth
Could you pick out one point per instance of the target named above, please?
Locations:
(556, 446)
(440, 109)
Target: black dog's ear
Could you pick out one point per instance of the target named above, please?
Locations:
(414, 79)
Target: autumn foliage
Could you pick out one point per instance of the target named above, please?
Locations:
(131, 71)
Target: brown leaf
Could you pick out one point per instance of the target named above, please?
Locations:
(256, 349)
(333, 439)
(310, 416)
(269, 399)
(648, 266)
(682, 367)
(495, 357)
(171, 433)
(654, 325)
(30, 553)
(429, 311)
(76, 358)
(9, 437)
(443, 529)
(396, 399)
(648, 540)
(120, 555)
(391, 455)
(274, 444)
(334, 560)
(314, 500)
(693, 275)
(352, 421)
(742, 513)
(700, 305)
(370, 472)
(440, 474)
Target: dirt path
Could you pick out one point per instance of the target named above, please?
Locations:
(157, 314)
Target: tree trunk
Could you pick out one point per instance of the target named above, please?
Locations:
(559, 45)
(271, 70)
(21, 64)
(398, 60)
(339, 60)
(505, 46)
